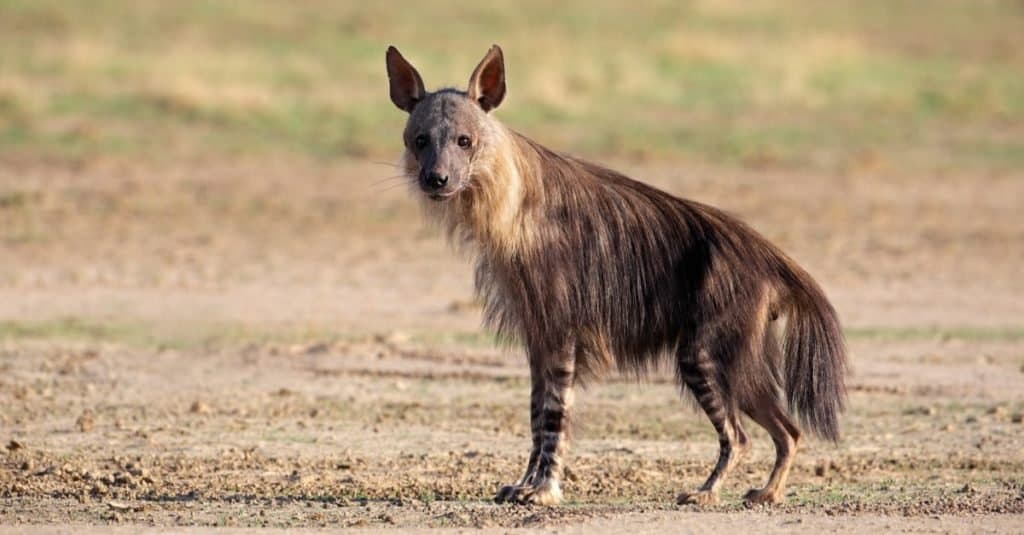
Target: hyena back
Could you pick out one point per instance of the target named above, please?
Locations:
(592, 270)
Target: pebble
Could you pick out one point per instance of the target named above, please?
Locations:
(85, 421)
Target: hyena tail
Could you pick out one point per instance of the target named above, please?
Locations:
(814, 355)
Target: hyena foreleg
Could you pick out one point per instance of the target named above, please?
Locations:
(536, 408)
(551, 400)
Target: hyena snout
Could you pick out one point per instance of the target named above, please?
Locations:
(433, 181)
(438, 185)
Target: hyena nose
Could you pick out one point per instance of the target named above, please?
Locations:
(435, 180)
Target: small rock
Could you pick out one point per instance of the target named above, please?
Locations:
(14, 445)
(99, 488)
(308, 349)
(124, 478)
(119, 506)
(998, 410)
(570, 475)
(85, 421)
(971, 420)
(28, 465)
(137, 470)
(393, 338)
(1017, 418)
(198, 407)
(821, 470)
(298, 478)
(319, 347)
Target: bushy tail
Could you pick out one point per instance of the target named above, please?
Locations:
(815, 356)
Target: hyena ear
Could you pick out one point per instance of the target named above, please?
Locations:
(487, 84)
(406, 84)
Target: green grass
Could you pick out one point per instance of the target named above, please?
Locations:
(973, 334)
(801, 84)
(163, 336)
(217, 335)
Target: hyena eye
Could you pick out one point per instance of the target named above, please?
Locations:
(464, 142)
(420, 141)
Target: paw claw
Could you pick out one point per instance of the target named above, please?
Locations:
(699, 497)
(505, 494)
(547, 493)
(761, 496)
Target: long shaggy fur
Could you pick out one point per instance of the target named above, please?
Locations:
(592, 270)
(566, 246)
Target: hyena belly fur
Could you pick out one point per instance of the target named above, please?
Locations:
(592, 270)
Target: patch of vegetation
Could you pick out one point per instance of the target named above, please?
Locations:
(795, 84)
(159, 336)
(214, 335)
(974, 334)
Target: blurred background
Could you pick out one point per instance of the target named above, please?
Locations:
(233, 162)
(805, 84)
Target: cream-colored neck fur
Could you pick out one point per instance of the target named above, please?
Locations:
(491, 214)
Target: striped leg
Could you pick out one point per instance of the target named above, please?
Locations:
(507, 492)
(542, 484)
(697, 371)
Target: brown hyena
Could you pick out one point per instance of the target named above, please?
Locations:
(590, 270)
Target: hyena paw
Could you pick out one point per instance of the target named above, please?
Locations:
(507, 493)
(697, 497)
(762, 496)
(546, 493)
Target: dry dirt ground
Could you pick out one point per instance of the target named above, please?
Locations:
(284, 344)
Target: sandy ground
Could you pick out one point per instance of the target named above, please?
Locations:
(284, 344)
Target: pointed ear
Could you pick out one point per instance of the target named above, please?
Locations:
(487, 84)
(406, 84)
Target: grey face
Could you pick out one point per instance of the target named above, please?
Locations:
(443, 134)
(446, 128)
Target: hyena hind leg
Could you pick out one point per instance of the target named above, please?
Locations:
(698, 374)
(768, 412)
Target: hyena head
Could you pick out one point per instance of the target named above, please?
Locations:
(448, 131)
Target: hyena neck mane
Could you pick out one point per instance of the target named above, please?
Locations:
(520, 188)
(493, 214)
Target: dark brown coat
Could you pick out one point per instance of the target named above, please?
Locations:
(592, 270)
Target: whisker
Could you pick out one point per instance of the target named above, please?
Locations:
(388, 179)
(387, 187)
(389, 164)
